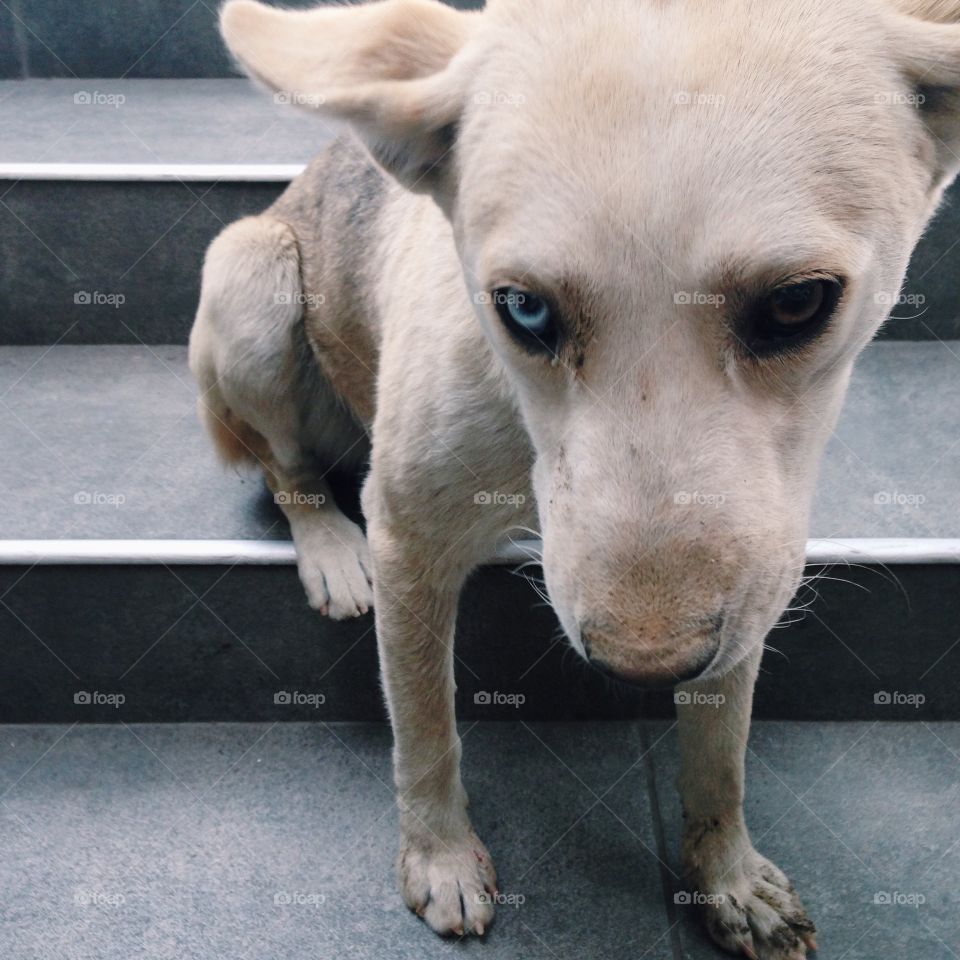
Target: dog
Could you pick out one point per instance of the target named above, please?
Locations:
(598, 254)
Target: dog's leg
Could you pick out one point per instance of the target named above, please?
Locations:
(332, 554)
(265, 402)
(445, 872)
(748, 904)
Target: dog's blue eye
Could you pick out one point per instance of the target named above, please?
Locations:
(529, 311)
(527, 316)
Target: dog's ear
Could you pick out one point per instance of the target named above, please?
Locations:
(383, 67)
(926, 42)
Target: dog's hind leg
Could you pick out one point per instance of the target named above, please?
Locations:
(265, 401)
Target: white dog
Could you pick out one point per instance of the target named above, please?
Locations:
(602, 254)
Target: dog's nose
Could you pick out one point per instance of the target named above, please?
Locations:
(655, 679)
(654, 668)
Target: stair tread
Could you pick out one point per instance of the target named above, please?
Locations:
(209, 121)
(118, 423)
(214, 840)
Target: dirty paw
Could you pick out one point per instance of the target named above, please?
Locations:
(451, 885)
(754, 911)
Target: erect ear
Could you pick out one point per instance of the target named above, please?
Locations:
(382, 67)
(927, 47)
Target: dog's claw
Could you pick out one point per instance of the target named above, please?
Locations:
(333, 565)
(448, 884)
(756, 912)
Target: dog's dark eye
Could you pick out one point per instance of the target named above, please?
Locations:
(528, 317)
(792, 314)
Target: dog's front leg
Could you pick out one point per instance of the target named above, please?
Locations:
(748, 904)
(445, 872)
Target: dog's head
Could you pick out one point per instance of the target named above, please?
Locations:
(679, 223)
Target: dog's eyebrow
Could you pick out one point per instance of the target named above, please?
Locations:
(578, 306)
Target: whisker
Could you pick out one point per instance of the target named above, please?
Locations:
(773, 649)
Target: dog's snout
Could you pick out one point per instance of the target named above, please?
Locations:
(658, 662)
(658, 672)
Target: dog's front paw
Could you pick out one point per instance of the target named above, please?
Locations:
(334, 565)
(747, 904)
(451, 885)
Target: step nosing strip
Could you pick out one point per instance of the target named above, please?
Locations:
(893, 550)
(153, 172)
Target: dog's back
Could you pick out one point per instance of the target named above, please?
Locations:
(286, 313)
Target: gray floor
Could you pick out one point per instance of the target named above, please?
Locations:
(118, 423)
(251, 841)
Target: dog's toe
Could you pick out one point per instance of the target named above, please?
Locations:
(758, 914)
(452, 886)
(334, 570)
(349, 589)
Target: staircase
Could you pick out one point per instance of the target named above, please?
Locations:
(193, 764)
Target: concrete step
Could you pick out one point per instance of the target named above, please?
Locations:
(242, 840)
(132, 564)
(110, 191)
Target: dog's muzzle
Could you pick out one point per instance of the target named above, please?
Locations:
(655, 665)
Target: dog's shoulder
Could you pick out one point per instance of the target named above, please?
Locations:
(342, 179)
(335, 207)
